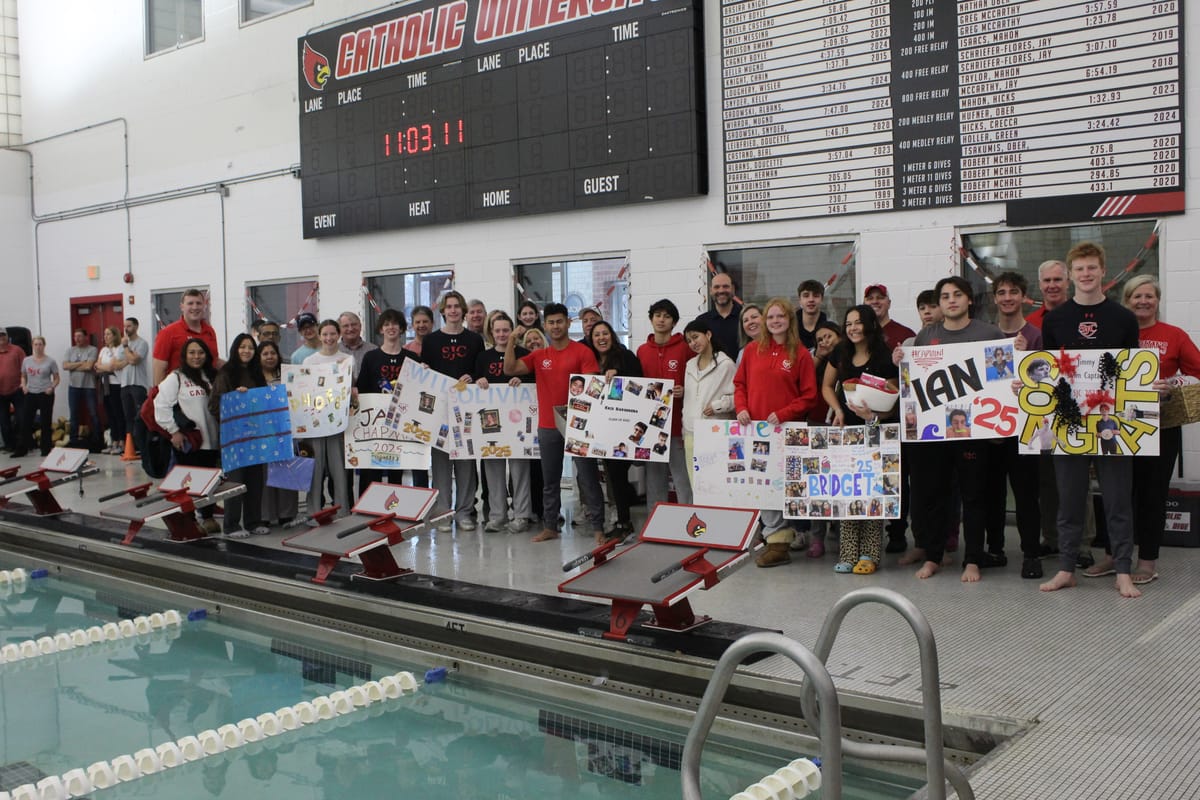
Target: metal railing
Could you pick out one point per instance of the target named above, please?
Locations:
(817, 680)
(819, 702)
(937, 770)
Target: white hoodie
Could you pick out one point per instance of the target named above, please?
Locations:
(711, 385)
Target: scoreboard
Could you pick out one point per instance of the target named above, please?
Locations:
(1063, 109)
(443, 111)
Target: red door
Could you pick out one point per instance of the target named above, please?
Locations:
(94, 314)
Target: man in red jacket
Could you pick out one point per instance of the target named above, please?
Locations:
(665, 355)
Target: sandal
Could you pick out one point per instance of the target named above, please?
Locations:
(816, 549)
(865, 566)
(1142, 578)
(844, 567)
(1100, 569)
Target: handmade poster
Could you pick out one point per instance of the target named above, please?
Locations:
(372, 442)
(841, 473)
(738, 466)
(256, 427)
(497, 422)
(619, 418)
(419, 408)
(318, 397)
(958, 391)
(1089, 402)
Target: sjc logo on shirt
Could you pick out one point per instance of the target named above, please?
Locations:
(1088, 329)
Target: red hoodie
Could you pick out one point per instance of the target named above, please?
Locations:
(667, 361)
(770, 381)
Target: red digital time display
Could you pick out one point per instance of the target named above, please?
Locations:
(424, 138)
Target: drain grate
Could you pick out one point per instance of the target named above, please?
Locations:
(610, 751)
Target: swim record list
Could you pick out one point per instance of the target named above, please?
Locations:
(871, 105)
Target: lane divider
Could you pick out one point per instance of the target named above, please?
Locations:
(150, 760)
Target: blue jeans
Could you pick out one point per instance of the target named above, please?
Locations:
(87, 395)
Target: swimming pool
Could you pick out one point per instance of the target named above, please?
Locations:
(477, 734)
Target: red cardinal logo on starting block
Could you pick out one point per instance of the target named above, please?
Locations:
(696, 527)
(391, 502)
(186, 483)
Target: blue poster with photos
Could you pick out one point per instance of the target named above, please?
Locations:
(256, 427)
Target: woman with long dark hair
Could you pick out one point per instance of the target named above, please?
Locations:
(863, 350)
(615, 358)
(241, 373)
(181, 409)
(278, 505)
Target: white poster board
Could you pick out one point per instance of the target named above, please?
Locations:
(318, 397)
(497, 422)
(372, 441)
(1112, 407)
(739, 466)
(841, 473)
(958, 391)
(620, 417)
(420, 405)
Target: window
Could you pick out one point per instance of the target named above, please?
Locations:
(282, 302)
(254, 10)
(173, 23)
(1130, 248)
(760, 273)
(165, 305)
(602, 283)
(404, 291)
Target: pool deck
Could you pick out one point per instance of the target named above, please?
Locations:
(1108, 688)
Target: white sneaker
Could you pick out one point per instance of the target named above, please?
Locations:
(466, 525)
(519, 525)
(494, 527)
(261, 530)
(446, 525)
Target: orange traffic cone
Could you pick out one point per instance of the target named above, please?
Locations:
(130, 452)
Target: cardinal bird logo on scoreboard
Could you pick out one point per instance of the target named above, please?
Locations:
(391, 502)
(696, 527)
(316, 68)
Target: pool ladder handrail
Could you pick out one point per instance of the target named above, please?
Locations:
(937, 769)
(818, 681)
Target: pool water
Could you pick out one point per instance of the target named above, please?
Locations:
(459, 738)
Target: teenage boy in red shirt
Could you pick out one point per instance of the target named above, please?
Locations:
(552, 367)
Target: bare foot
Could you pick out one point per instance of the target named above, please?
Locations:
(599, 537)
(914, 556)
(546, 535)
(971, 574)
(1061, 580)
(928, 570)
(1126, 588)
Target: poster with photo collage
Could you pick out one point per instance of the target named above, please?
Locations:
(419, 409)
(619, 418)
(318, 397)
(497, 422)
(738, 466)
(841, 473)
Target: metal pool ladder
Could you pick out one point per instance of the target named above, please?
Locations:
(819, 702)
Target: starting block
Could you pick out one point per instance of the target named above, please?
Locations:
(62, 465)
(680, 549)
(182, 492)
(368, 531)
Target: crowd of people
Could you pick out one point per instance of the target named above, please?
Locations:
(780, 361)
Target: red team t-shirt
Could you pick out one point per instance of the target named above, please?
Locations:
(552, 370)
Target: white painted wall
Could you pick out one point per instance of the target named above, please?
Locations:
(224, 109)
